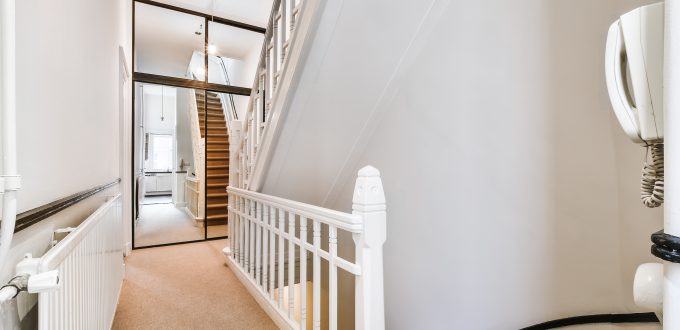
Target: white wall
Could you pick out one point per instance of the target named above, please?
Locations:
(512, 193)
(68, 111)
(183, 129)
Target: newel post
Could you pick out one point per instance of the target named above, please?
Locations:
(369, 203)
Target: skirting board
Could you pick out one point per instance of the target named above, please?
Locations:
(198, 222)
(278, 317)
(128, 248)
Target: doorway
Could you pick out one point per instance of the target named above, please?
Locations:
(187, 88)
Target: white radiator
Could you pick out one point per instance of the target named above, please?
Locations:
(90, 264)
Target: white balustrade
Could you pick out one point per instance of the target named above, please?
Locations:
(278, 42)
(192, 194)
(270, 249)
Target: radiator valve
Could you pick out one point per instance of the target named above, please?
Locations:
(36, 282)
(43, 282)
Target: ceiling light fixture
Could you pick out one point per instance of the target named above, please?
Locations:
(212, 49)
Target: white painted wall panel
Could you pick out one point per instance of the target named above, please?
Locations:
(512, 193)
(68, 112)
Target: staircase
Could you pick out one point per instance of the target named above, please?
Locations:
(217, 156)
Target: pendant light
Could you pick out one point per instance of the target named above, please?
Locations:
(162, 103)
(212, 48)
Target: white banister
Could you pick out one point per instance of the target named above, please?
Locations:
(275, 229)
(288, 28)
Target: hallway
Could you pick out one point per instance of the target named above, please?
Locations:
(161, 222)
(185, 287)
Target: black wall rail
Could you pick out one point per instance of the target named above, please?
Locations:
(31, 217)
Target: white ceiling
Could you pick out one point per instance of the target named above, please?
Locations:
(255, 12)
(166, 39)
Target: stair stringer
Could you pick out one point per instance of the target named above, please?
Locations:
(197, 143)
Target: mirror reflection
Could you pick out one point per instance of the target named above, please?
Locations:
(168, 158)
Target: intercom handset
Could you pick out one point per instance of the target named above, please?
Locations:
(634, 74)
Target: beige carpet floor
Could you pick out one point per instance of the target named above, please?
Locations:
(185, 287)
(161, 223)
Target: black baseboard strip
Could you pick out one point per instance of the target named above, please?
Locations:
(31, 217)
(180, 243)
(596, 318)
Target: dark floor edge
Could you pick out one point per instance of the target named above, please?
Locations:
(596, 318)
(180, 243)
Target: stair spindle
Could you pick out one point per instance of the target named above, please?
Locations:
(258, 244)
(291, 265)
(303, 273)
(272, 251)
(280, 266)
(316, 276)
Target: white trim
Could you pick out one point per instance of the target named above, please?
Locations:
(128, 247)
(126, 130)
(121, 54)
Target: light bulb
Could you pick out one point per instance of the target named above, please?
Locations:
(212, 49)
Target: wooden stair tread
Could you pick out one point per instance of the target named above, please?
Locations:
(213, 127)
(217, 205)
(210, 114)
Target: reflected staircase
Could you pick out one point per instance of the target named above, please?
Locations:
(217, 140)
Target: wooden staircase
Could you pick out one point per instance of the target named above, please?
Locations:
(217, 140)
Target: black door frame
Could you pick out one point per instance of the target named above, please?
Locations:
(205, 86)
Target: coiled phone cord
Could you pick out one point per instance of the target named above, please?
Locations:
(652, 177)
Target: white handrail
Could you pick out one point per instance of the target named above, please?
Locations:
(270, 247)
(227, 99)
(347, 221)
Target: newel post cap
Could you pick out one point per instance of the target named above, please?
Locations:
(368, 191)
